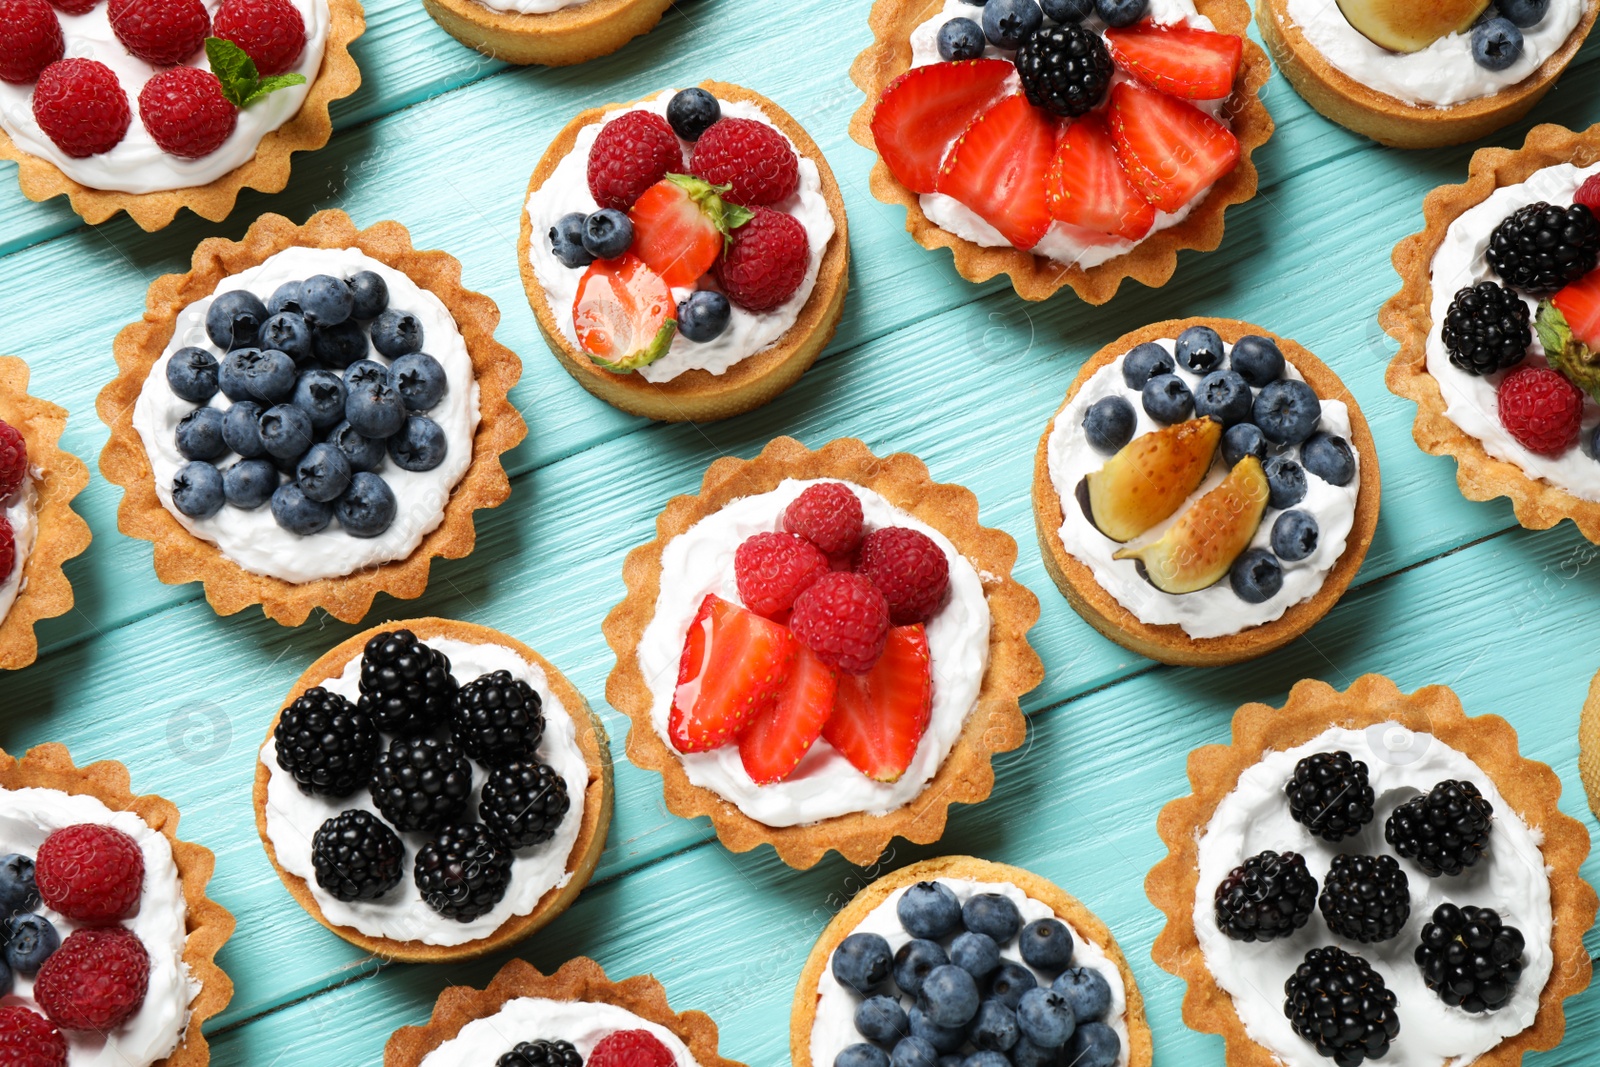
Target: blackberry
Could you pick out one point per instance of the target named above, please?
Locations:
(1540, 248)
(1330, 795)
(497, 718)
(421, 783)
(524, 803)
(1064, 69)
(1444, 832)
(1266, 897)
(463, 872)
(356, 856)
(406, 686)
(1336, 1001)
(1365, 898)
(326, 743)
(1470, 958)
(1486, 329)
(541, 1054)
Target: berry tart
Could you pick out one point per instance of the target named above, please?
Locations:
(962, 957)
(554, 33)
(309, 416)
(1206, 492)
(109, 941)
(686, 255)
(1421, 75)
(1373, 875)
(822, 650)
(148, 106)
(39, 531)
(1063, 142)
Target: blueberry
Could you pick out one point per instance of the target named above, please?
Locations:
(368, 507)
(285, 297)
(914, 961)
(1010, 982)
(1086, 992)
(986, 1058)
(1120, 13)
(420, 380)
(253, 374)
(285, 431)
(929, 909)
(953, 1059)
(1257, 359)
(862, 962)
(363, 371)
(1199, 348)
(977, 954)
(199, 434)
(1167, 399)
(995, 1027)
(945, 1039)
(882, 1019)
(6, 981)
(420, 445)
(1287, 411)
(691, 112)
(1328, 456)
(1286, 482)
(913, 1052)
(607, 233)
(861, 1055)
(375, 409)
(241, 429)
(1046, 945)
(364, 453)
(298, 513)
(1241, 440)
(396, 333)
(320, 394)
(1256, 576)
(1094, 1045)
(1064, 11)
(339, 345)
(566, 242)
(289, 334)
(1294, 535)
(1026, 1054)
(234, 319)
(323, 473)
(1146, 361)
(249, 483)
(992, 914)
(31, 941)
(197, 490)
(1045, 1017)
(325, 300)
(18, 891)
(1109, 423)
(704, 315)
(1007, 23)
(949, 995)
(1224, 396)
(369, 294)
(1523, 13)
(192, 375)
(959, 39)
(1496, 43)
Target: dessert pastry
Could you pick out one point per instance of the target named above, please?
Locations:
(1074, 145)
(821, 651)
(1589, 745)
(1424, 75)
(955, 955)
(1373, 875)
(434, 790)
(686, 255)
(110, 942)
(1206, 492)
(555, 33)
(309, 416)
(165, 104)
(572, 1017)
(39, 531)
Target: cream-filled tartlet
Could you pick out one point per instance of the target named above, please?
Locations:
(19, 524)
(554, 33)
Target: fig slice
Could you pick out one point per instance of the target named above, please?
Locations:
(1410, 25)
(1150, 477)
(1197, 550)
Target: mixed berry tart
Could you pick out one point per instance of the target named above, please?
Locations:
(553, 33)
(309, 416)
(1063, 142)
(686, 255)
(109, 940)
(148, 106)
(1372, 875)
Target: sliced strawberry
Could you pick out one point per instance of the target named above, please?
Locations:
(1171, 150)
(999, 166)
(680, 225)
(1087, 186)
(623, 313)
(1579, 304)
(776, 740)
(1188, 63)
(734, 665)
(878, 718)
(926, 108)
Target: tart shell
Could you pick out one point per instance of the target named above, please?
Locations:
(1168, 643)
(699, 395)
(1153, 260)
(995, 724)
(180, 556)
(803, 1016)
(561, 38)
(1589, 745)
(586, 850)
(1532, 789)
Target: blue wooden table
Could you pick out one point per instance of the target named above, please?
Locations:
(965, 376)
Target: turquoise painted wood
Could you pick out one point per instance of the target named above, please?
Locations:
(965, 376)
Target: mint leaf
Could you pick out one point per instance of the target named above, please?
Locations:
(272, 83)
(242, 84)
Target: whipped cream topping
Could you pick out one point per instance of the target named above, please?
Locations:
(1216, 610)
(583, 1023)
(293, 817)
(137, 164)
(27, 817)
(530, 7)
(1512, 879)
(21, 513)
(699, 561)
(835, 1028)
(252, 539)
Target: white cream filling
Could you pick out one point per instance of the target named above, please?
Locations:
(583, 1023)
(530, 7)
(21, 512)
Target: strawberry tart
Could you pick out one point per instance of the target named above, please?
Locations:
(686, 255)
(553, 33)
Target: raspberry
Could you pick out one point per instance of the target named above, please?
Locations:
(28, 1039)
(90, 873)
(30, 39)
(909, 570)
(160, 32)
(752, 157)
(1541, 409)
(271, 32)
(844, 619)
(13, 460)
(631, 1048)
(631, 153)
(1588, 193)
(95, 981)
(186, 113)
(774, 568)
(75, 7)
(828, 515)
(8, 548)
(765, 261)
(80, 105)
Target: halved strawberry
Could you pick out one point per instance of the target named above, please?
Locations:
(998, 169)
(1087, 186)
(1192, 64)
(776, 740)
(1579, 304)
(879, 717)
(680, 225)
(623, 313)
(1171, 150)
(926, 108)
(734, 665)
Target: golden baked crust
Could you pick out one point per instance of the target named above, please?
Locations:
(803, 1016)
(181, 556)
(996, 724)
(1589, 745)
(267, 170)
(62, 533)
(579, 979)
(1408, 317)
(1389, 120)
(209, 923)
(1532, 789)
(699, 395)
(597, 798)
(553, 39)
(1168, 643)
(1153, 260)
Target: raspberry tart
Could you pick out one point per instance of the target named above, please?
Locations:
(1373, 875)
(686, 255)
(554, 33)
(1074, 144)
(309, 416)
(110, 939)
(148, 106)
(1206, 493)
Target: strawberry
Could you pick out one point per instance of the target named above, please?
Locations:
(878, 718)
(1087, 186)
(734, 665)
(680, 225)
(622, 314)
(1579, 304)
(1171, 150)
(925, 109)
(1180, 61)
(998, 169)
(777, 740)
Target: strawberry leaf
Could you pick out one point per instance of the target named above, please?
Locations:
(725, 216)
(1576, 361)
(242, 84)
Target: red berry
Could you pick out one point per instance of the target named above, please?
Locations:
(631, 1048)
(844, 619)
(631, 153)
(186, 113)
(160, 32)
(271, 32)
(752, 157)
(1541, 409)
(909, 569)
(828, 514)
(774, 568)
(30, 39)
(765, 260)
(75, 7)
(13, 460)
(1588, 193)
(90, 873)
(8, 555)
(96, 980)
(80, 105)
(28, 1039)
